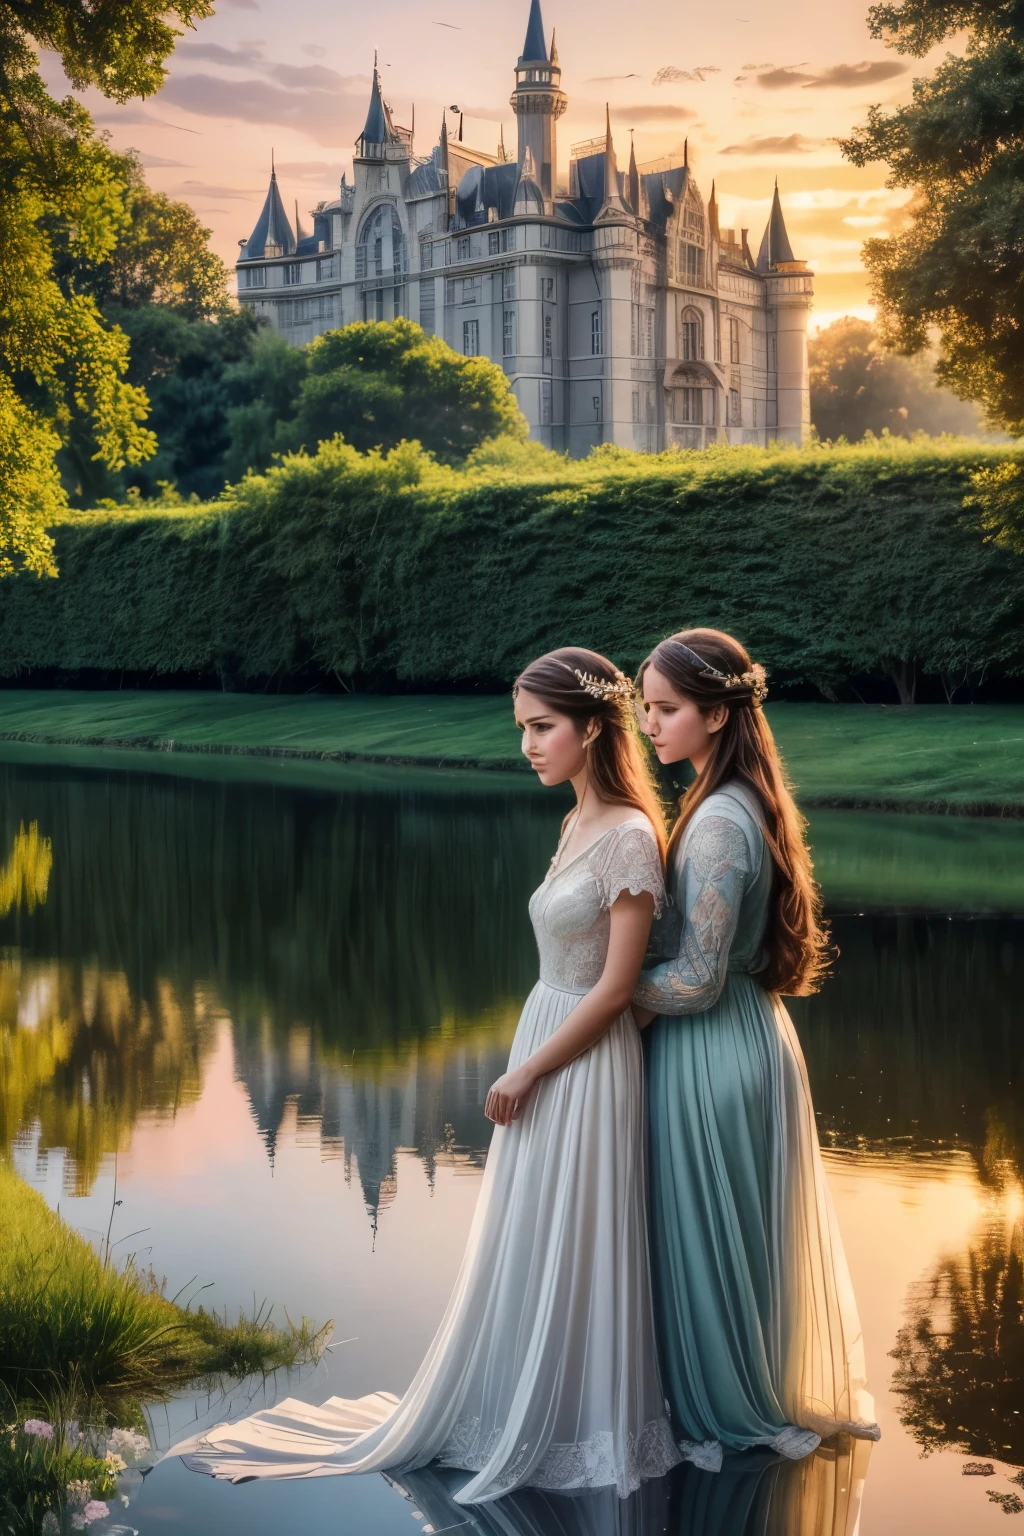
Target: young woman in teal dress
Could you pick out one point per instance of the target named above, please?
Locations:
(759, 1338)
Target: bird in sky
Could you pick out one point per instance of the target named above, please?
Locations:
(449, 24)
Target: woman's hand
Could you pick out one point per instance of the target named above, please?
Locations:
(508, 1096)
(643, 1016)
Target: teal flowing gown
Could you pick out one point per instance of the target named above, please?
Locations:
(759, 1338)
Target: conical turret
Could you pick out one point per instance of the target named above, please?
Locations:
(775, 246)
(272, 235)
(534, 49)
(378, 130)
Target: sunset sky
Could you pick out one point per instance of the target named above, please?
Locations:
(760, 91)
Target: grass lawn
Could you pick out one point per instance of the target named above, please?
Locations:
(968, 759)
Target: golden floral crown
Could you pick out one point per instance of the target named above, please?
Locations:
(600, 688)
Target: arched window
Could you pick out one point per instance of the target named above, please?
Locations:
(691, 336)
(380, 249)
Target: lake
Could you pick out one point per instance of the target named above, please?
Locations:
(260, 1006)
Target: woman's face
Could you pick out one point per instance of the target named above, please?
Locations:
(677, 727)
(553, 743)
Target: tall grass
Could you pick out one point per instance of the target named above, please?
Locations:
(70, 1323)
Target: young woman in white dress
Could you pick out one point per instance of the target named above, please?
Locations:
(543, 1372)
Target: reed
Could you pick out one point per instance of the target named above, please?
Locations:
(72, 1323)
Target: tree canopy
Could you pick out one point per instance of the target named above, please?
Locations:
(958, 264)
(65, 206)
(858, 387)
(379, 382)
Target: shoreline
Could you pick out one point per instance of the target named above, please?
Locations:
(989, 809)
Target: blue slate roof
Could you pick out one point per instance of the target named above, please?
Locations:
(426, 178)
(484, 187)
(272, 227)
(535, 48)
(378, 128)
(665, 191)
(775, 246)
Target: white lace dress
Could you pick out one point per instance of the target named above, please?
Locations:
(543, 1372)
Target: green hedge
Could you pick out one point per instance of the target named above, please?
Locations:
(833, 564)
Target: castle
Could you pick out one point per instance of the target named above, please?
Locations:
(618, 308)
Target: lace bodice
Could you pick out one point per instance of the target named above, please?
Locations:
(720, 879)
(570, 911)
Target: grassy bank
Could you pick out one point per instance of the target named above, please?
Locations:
(964, 760)
(71, 1325)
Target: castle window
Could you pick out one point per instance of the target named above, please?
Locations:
(545, 402)
(380, 249)
(449, 290)
(691, 337)
(734, 340)
(649, 332)
(462, 248)
(549, 287)
(735, 409)
(325, 269)
(426, 256)
(688, 405)
(493, 242)
(427, 306)
(255, 277)
(293, 272)
(548, 335)
(508, 239)
(471, 338)
(471, 290)
(508, 283)
(691, 264)
(772, 358)
(508, 333)
(596, 342)
(636, 405)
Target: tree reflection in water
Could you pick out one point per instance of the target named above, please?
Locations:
(960, 1355)
(753, 1495)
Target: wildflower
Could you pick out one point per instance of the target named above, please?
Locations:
(128, 1445)
(79, 1492)
(116, 1463)
(38, 1427)
(95, 1510)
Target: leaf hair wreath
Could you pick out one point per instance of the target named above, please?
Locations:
(599, 687)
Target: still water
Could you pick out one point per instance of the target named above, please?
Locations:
(261, 1008)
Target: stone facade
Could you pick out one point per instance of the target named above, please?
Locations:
(619, 309)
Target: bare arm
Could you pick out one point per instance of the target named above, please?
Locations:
(593, 1015)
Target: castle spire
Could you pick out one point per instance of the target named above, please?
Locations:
(775, 246)
(613, 203)
(553, 55)
(534, 49)
(713, 215)
(633, 178)
(378, 128)
(272, 235)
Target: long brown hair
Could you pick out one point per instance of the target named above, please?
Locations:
(617, 763)
(712, 668)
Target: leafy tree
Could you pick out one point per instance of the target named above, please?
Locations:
(162, 256)
(380, 382)
(63, 199)
(958, 265)
(858, 387)
(264, 390)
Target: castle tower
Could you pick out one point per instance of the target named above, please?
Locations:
(790, 294)
(538, 102)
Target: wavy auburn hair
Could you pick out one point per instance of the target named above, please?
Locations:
(617, 761)
(744, 751)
